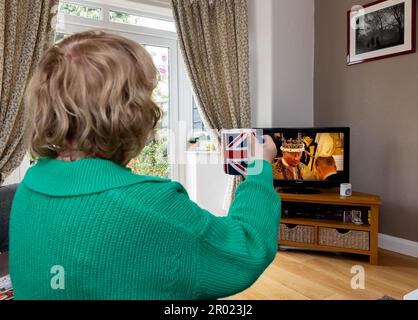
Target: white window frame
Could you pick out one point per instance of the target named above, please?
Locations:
(180, 108)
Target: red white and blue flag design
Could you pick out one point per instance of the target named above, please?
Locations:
(236, 150)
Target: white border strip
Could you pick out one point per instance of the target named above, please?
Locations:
(399, 245)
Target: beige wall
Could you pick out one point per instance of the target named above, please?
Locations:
(379, 101)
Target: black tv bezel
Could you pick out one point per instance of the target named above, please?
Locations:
(316, 184)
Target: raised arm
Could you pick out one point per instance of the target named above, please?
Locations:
(235, 250)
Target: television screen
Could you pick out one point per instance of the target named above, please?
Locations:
(311, 157)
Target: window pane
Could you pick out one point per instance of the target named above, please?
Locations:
(153, 161)
(161, 94)
(197, 118)
(80, 11)
(121, 17)
(198, 126)
(59, 36)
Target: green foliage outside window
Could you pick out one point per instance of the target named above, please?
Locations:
(80, 11)
(119, 17)
(153, 159)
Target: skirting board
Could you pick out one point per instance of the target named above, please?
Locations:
(402, 246)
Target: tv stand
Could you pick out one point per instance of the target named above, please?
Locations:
(314, 221)
(293, 190)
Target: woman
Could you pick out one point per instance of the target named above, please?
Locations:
(84, 227)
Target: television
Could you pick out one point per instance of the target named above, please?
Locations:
(309, 159)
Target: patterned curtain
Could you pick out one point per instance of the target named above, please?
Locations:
(213, 36)
(25, 32)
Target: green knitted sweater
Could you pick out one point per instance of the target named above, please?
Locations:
(91, 229)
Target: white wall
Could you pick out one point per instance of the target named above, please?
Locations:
(282, 62)
(261, 61)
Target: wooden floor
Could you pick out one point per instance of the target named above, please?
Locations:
(302, 275)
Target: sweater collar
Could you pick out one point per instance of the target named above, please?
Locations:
(85, 176)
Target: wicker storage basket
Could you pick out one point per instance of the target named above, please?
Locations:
(359, 240)
(296, 233)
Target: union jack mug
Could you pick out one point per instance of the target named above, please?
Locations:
(238, 151)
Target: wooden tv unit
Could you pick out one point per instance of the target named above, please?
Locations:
(330, 234)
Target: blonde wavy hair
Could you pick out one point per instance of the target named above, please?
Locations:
(92, 92)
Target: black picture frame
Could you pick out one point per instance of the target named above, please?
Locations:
(380, 30)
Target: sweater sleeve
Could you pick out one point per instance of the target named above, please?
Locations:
(235, 250)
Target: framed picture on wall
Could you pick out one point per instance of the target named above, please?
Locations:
(381, 29)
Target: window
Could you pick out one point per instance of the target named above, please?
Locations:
(153, 160)
(82, 11)
(161, 94)
(197, 118)
(59, 36)
(121, 17)
(200, 133)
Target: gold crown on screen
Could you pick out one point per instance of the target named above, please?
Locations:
(293, 145)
